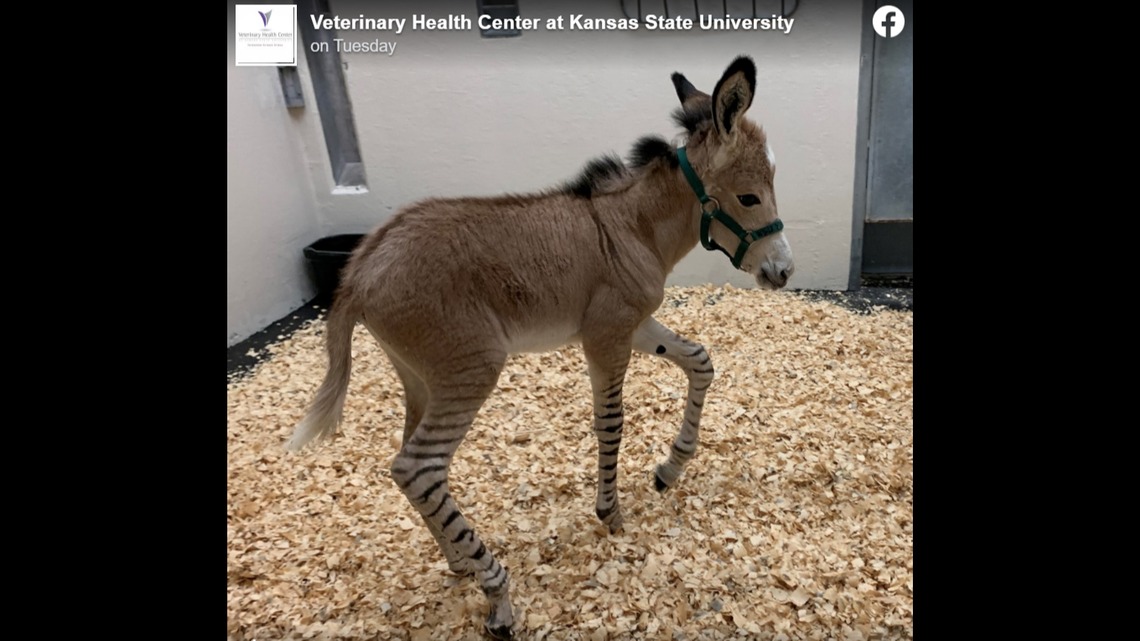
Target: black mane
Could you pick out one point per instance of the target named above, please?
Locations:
(650, 148)
(596, 174)
(606, 170)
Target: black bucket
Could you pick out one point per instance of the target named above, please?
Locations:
(328, 256)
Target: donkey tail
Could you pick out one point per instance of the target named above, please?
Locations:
(325, 413)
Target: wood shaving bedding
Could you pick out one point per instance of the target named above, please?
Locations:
(793, 520)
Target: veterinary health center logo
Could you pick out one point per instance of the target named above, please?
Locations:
(266, 35)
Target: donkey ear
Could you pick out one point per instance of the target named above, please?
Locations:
(685, 89)
(733, 95)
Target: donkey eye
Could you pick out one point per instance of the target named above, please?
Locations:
(748, 200)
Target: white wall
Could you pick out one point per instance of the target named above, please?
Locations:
(451, 113)
(271, 211)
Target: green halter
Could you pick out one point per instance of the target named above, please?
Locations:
(746, 237)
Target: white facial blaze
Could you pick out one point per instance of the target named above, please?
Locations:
(782, 255)
(771, 154)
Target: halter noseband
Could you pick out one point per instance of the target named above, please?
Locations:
(746, 237)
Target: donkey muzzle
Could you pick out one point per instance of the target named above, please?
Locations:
(777, 273)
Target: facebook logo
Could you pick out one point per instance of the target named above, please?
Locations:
(888, 21)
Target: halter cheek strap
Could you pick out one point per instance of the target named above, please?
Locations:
(707, 216)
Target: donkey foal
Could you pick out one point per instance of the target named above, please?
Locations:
(451, 287)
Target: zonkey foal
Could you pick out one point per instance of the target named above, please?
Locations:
(451, 287)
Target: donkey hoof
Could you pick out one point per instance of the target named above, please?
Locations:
(611, 518)
(664, 478)
(500, 632)
(616, 523)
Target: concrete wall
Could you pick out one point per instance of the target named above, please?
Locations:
(271, 211)
(451, 113)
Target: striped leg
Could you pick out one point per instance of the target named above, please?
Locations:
(607, 365)
(654, 338)
(421, 471)
(415, 401)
